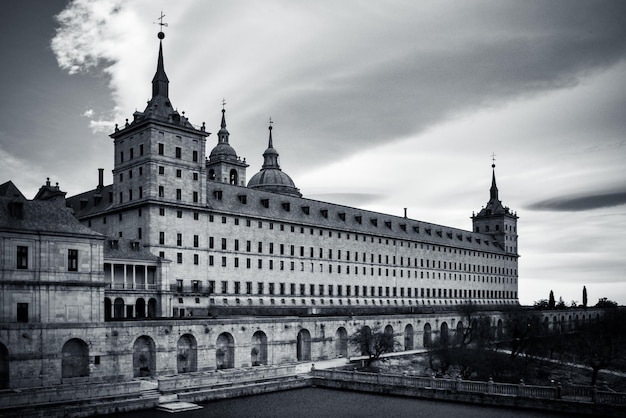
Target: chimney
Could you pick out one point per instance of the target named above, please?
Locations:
(405, 212)
(100, 178)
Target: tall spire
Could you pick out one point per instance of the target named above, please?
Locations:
(160, 83)
(493, 192)
(223, 134)
(270, 156)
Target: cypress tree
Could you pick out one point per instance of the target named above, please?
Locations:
(551, 302)
(585, 296)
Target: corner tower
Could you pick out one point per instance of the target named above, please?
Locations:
(497, 220)
(159, 155)
(223, 164)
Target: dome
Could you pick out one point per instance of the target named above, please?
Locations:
(223, 150)
(271, 178)
(274, 180)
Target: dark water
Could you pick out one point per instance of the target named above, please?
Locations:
(327, 403)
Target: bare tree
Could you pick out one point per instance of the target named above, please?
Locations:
(373, 343)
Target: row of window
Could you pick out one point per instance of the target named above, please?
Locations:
(346, 254)
(291, 289)
(178, 152)
(23, 263)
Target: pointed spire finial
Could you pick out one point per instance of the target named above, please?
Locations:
(160, 83)
(161, 35)
(493, 192)
(270, 129)
(493, 160)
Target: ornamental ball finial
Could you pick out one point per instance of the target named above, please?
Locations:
(161, 35)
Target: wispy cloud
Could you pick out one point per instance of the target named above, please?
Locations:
(580, 203)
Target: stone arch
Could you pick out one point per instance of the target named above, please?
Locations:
(545, 328)
(108, 306)
(118, 308)
(144, 357)
(303, 345)
(576, 322)
(428, 336)
(366, 331)
(258, 353)
(563, 324)
(409, 338)
(4, 367)
(570, 323)
(212, 175)
(234, 177)
(140, 308)
(444, 336)
(499, 329)
(341, 342)
(75, 359)
(555, 324)
(152, 308)
(225, 351)
(187, 354)
(458, 334)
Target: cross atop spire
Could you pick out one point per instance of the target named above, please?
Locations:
(493, 160)
(161, 35)
(160, 83)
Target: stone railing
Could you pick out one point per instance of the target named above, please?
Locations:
(187, 381)
(574, 393)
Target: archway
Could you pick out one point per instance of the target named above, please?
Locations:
(144, 357)
(152, 308)
(444, 338)
(341, 342)
(140, 308)
(428, 338)
(107, 309)
(258, 353)
(75, 359)
(499, 330)
(118, 308)
(4, 367)
(234, 177)
(555, 325)
(186, 354)
(225, 351)
(408, 337)
(458, 335)
(366, 333)
(303, 345)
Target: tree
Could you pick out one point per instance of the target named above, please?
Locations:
(551, 302)
(542, 304)
(373, 343)
(561, 304)
(584, 296)
(606, 303)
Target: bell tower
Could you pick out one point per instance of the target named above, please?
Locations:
(497, 220)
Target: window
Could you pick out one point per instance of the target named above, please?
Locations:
(121, 156)
(140, 192)
(223, 243)
(140, 151)
(179, 240)
(22, 312)
(179, 173)
(196, 259)
(179, 194)
(195, 176)
(161, 150)
(179, 213)
(196, 216)
(195, 240)
(161, 211)
(161, 170)
(161, 191)
(179, 152)
(132, 154)
(195, 197)
(195, 156)
(162, 238)
(72, 260)
(22, 257)
(179, 258)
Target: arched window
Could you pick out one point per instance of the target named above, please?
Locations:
(75, 359)
(212, 175)
(500, 330)
(152, 308)
(225, 351)
(460, 330)
(140, 308)
(427, 335)
(186, 354)
(258, 352)
(144, 357)
(408, 337)
(4, 367)
(303, 347)
(118, 308)
(341, 342)
(108, 306)
(234, 176)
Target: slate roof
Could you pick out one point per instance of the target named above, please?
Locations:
(39, 216)
(9, 189)
(230, 199)
(125, 249)
(91, 202)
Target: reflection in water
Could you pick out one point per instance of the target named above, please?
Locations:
(327, 403)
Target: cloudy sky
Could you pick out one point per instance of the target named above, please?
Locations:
(379, 105)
